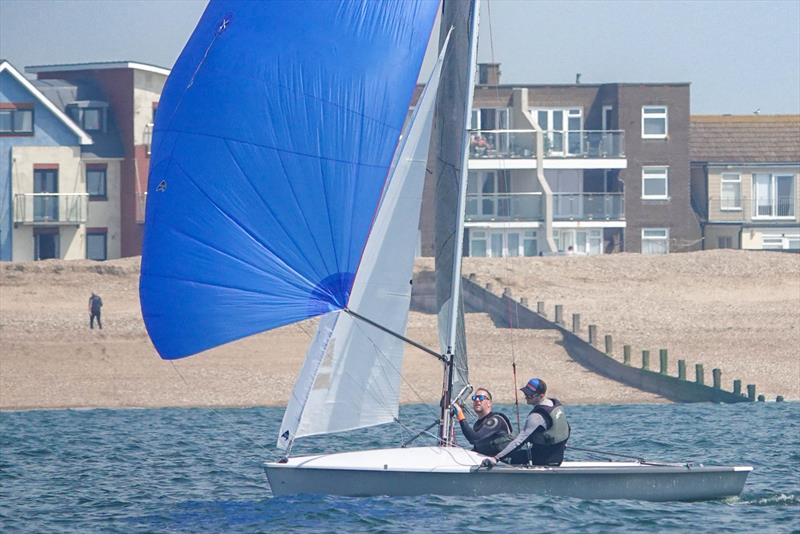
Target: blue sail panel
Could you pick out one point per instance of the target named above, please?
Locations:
(272, 145)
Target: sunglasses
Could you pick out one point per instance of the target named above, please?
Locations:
(480, 397)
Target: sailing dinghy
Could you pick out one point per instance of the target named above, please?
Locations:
(283, 187)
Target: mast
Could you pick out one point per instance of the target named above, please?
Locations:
(452, 185)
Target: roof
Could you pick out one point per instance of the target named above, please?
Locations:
(98, 65)
(84, 138)
(745, 138)
(106, 144)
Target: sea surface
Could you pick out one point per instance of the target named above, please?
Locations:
(199, 470)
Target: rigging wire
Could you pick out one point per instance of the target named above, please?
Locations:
(513, 318)
(217, 412)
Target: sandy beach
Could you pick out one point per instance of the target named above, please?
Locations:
(736, 310)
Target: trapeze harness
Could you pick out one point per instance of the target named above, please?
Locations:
(490, 434)
(546, 443)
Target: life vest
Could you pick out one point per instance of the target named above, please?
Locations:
(557, 428)
(498, 440)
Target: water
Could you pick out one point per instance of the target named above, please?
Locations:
(199, 470)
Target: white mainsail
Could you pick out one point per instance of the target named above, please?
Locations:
(351, 375)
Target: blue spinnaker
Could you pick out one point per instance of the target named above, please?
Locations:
(272, 144)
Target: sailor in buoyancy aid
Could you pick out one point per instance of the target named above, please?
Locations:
(491, 432)
(546, 431)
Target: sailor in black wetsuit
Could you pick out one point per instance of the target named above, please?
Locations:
(491, 432)
(546, 431)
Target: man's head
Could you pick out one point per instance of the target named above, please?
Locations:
(482, 402)
(534, 390)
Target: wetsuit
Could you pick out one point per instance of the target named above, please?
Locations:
(546, 430)
(489, 434)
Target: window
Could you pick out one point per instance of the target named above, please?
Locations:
(45, 198)
(563, 130)
(96, 181)
(780, 242)
(655, 240)
(530, 243)
(46, 244)
(654, 122)
(90, 118)
(477, 244)
(16, 119)
(655, 182)
(725, 242)
(773, 195)
(96, 244)
(731, 192)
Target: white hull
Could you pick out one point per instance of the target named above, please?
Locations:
(454, 471)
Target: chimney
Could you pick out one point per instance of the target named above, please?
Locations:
(488, 73)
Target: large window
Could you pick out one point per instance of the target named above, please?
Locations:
(571, 241)
(654, 122)
(96, 244)
(562, 129)
(773, 195)
(45, 189)
(731, 192)
(655, 240)
(16, 119)
(503, 243)
(96, 181)
(655, 182)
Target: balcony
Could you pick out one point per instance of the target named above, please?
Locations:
(575, 144)
(588, 206)
(51, 209)
(735, 208)
(529, 207)
(504, 207)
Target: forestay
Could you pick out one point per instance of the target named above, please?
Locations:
(351, 375)
(273, 141)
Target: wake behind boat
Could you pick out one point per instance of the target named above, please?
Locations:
(283, 186)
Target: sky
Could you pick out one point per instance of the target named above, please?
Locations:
(739, 55)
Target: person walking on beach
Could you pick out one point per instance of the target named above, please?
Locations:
(95, 305)
(546, 431)
(491, 432)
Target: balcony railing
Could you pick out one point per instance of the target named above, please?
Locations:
(738, 208)
(505, 207)
(141, 206)
(589, 206)
(504, 144)
(50, 209)
(529, 207)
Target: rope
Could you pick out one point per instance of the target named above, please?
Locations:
(215, 411)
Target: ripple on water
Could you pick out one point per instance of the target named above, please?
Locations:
(199, 470)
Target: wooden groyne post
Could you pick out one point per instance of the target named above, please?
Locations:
(698, 374)
(717, 376)
(751, 392)
(646, 359)
(609, 345)
(626, 354)
(576, 323)
(592, 334)
(662, 357)
(681, 369)
(560, 314)
(737, 387)
(540, 309)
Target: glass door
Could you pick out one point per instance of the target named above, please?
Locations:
(45, 202)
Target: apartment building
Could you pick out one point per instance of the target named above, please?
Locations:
(74, 146)
(579, 168)
(745, 180)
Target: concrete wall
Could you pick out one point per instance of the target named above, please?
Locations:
(106, 213)
(70, 180)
